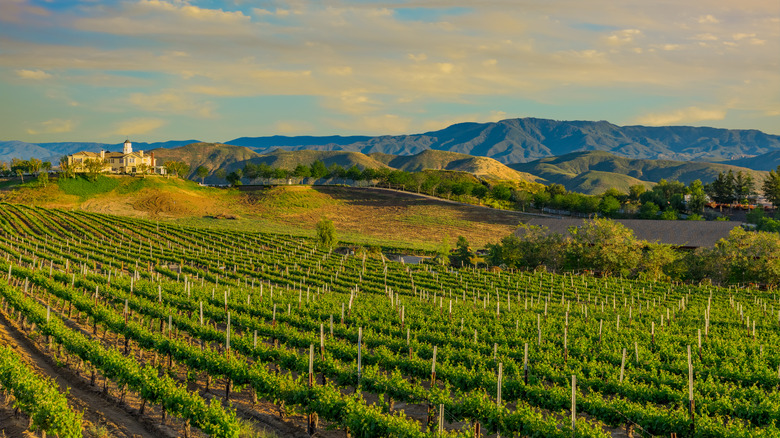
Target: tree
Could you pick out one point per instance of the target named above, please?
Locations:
(35, 165)
(326, 233)
(143, 169)
(697, 196)
(744, 187)
(604, 245)
(354, 173)
(43, 179)
(177, 168)
(609, 206)
(202, 172)
(302, 171)
(771, 187)
(722, 189)
(464, 256)
(234, 177)
(555, 189)
(656, 260)
(649, 210)
(318, 169)
(635, 191)
(94, 167)
(221, 173)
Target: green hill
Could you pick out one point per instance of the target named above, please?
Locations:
(594, 171)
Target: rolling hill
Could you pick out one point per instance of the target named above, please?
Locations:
(768, 161)
(210, 155)
(527, 139)
(215, 156)
(441, 160)
(290, 159)
(594, 171)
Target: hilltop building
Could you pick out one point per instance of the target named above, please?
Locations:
(126, 161)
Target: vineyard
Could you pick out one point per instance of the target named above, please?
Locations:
(200, 328)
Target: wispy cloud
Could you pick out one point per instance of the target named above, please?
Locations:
(54, 126)
(691, 114)
(32, 74)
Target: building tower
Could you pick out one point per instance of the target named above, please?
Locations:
(128, 149)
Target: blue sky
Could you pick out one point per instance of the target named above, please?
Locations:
(156, 70)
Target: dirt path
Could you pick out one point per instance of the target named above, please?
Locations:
(98, 411)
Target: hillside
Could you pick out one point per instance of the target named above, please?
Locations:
(768, 161)
(528, 139)
(442, 160)
(508, 141)
(595, 171)
(290, 159)
(211, 155)
(366, 216)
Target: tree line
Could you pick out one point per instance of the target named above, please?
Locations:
(606, 247)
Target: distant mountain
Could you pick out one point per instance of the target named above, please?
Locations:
(211, 155)
(528, 139)
(508, 141)
(53, 151)
(768, 161)
(595, 171)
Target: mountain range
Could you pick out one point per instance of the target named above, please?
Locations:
(508, 141)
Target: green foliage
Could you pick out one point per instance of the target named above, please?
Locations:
(234, 177)
(698, 197)
(39, 397)
(82, 187)
(464, 255)
(202, 172)
(536, 248)
(771, 187)
(43, 179)
(318, 169)
(609, 206)
(649, 210)
(302, 171)
(326, 233)
(604, 245)
(177, 168)
(669, 215)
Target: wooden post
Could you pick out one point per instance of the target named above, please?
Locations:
(433, 367)
(623, 365)
(322, 341)
(441, 419)
(690, 390)
(573, 404)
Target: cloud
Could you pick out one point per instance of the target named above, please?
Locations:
(33, 74)
(708, 19)
(54, 126)
(172, 102)
(691, 114)
(624, 36)
(138, 126)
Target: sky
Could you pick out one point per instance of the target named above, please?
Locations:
(156, 70)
